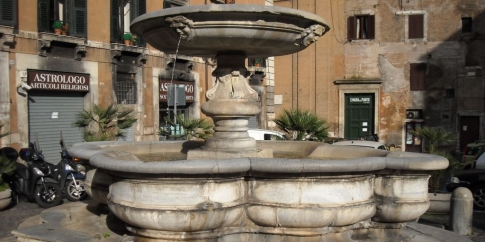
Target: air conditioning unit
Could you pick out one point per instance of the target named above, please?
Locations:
(414, 114)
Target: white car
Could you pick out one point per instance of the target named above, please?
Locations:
(264, 134)
(362, 143)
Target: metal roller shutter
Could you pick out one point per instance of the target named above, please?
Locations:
(51, 113)
(253, 122)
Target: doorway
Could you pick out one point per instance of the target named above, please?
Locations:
(359, 115)
(469, 130)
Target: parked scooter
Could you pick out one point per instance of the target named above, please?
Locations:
(33, 180)
(70, 176)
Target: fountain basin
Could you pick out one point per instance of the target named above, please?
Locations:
(332, 190)
(206, 30)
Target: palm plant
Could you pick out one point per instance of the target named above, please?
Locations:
(102, 124)
(302, 125)
(192, 127)
(434, 139)
(7, 166)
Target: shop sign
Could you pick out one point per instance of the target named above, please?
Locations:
(189, 90)
(364, 100)
(59, 81)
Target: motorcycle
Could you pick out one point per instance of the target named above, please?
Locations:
(70, 176)
(33, 180)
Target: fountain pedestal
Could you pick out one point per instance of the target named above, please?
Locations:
(231, 102)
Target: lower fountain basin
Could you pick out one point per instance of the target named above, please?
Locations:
(331, 190)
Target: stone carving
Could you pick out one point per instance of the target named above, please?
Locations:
(310, 35)
(80, 52)
(232, 87)
(183, 26)
(44, 45)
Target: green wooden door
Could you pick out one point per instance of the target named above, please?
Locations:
(359, 115)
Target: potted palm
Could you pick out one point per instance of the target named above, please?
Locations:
(435, 138)
(57, 26)
(190, 128)
(103, 124)
(128, 39)
(7, 167)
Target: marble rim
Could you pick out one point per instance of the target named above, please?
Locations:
(100, 156)
(208, 30)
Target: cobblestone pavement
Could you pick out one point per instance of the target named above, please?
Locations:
(11, 217)
(478, 230)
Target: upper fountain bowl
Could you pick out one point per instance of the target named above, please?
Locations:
(209, 30)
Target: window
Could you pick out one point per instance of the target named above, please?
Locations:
(466, 25)
(174, 3)
(361, 27)
(125, 88)
(72, 12)
(8, 12)
(418, 77)
(257, 62)
(122, 13)
(416, 26)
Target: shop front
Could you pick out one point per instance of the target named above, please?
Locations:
(53, 102)
(172, 104)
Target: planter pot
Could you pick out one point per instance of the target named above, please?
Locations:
(63, 32)
(439, 202)
(128, 42)
(57, 31)
(5, 198)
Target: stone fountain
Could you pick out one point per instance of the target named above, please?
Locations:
(230, 188)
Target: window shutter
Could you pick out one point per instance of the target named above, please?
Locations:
(8, 13)
(115, 21)
(351, 25)
(372, 27)
(43, 20)
(141, 9)
(167, 4)
(418, 77)
(416, 28)
(79, 18)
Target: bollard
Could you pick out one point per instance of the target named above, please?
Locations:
(461, 211)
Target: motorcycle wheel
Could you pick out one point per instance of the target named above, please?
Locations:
(74, 193)
(50, 197)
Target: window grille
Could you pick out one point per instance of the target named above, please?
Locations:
(125, 87)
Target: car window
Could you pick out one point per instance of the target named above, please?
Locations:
(472, 150)
(382, 147)
(271, 137)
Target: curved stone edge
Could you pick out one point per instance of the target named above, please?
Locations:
(106, 155)
(224, 8)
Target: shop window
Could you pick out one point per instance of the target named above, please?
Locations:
(413, 142)
(466, 25)
(257, 62)
(125, 88)
(8, 12)
(418, 76)
(71, 13)
(123, 12)
(416, 26)
(361, 27)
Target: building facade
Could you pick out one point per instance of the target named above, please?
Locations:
(389, 67)
(49, 75)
